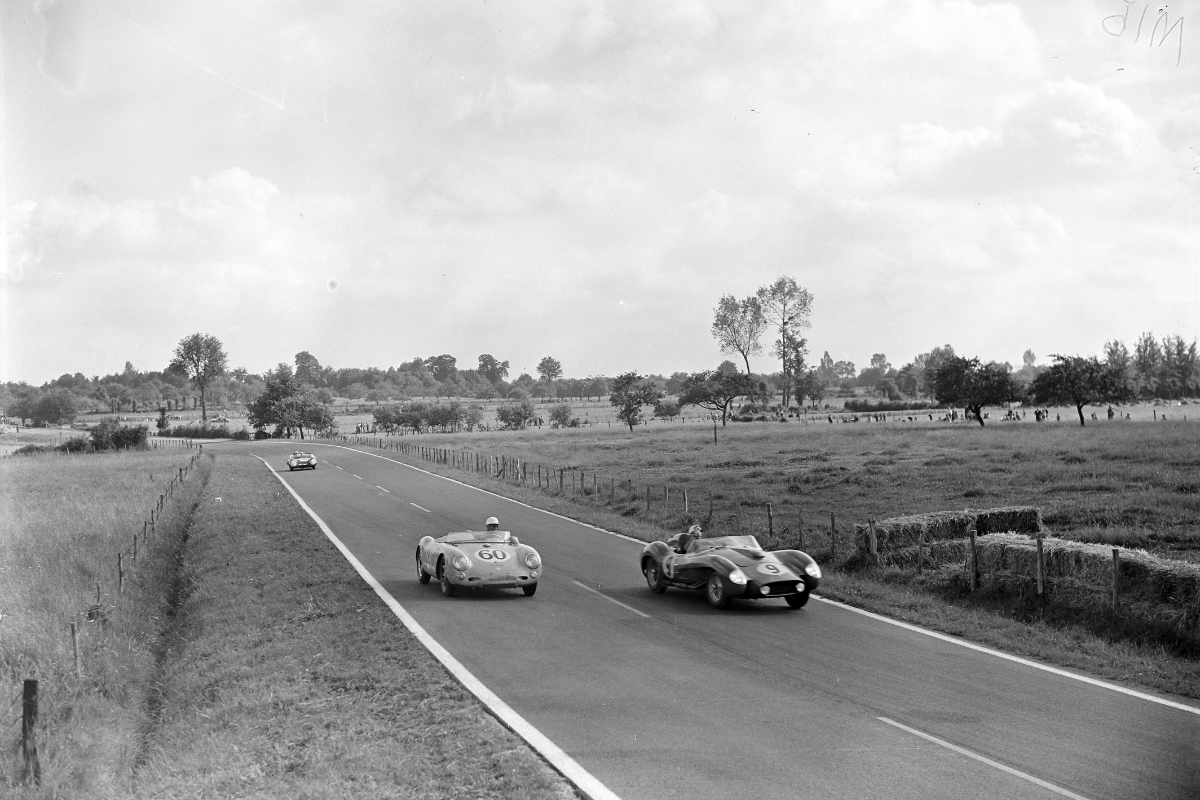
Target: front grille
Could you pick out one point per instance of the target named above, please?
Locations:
(784, 587)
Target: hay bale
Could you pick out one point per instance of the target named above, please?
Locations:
(1080, 568)
(1014, 519)
(900, 532)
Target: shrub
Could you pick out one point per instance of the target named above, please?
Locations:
(560, 415)
(241, 435)
(514, 416)
(199, 432)
(109, 434)
(868, 407)
(261, 434)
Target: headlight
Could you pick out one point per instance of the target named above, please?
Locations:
(292, 463)
(738, 577)
(812, 569)
(461, 562)
(533, 560)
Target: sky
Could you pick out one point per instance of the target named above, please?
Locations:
(378, 181)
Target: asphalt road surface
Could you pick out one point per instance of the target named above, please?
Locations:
(660, 696)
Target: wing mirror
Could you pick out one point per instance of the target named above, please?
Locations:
(514, 540)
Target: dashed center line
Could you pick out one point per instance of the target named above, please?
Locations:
(357, 476)
(380, 488)
(610, 599)
(338, 467)
(426, 510)
(1002, 767)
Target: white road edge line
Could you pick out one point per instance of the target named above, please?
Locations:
(944, 637)
(570, 769)
(380, 488)
(610, 599)
(985, 760)
(1017, 659)
(426, 510)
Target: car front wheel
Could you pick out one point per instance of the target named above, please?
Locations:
(529, 589)
(715, 590)
(448, 588)
(797, 600)
(422, 575)
(654, 577)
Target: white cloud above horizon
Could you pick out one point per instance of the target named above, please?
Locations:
(586, 181)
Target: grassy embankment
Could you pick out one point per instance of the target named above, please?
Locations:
(246, 658)
(1131, 484)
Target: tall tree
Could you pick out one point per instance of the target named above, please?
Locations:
(308, 369)
(443, 367)
(715, 390)
(966, 382)
(630, 391)
(1078, 381)
(202, 359)
(738, 325)
(549, 369)
(786, 307)
(1147, 361)
(495, 371)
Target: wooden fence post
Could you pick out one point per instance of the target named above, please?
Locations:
(685, 507)
(737, 517)
(800, 529)
(1040, 569)
(872, 542)
(974, 560)
(770, 521)
(32, 772)
(75, 650)
(1116, 570)
(120, 573)
(647, 498)
(832, 537)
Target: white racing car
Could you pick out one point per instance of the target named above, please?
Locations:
(299, 460)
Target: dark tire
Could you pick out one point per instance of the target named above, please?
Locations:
(797, 600)
(654, 576)
(448, 588)
(714, 590)
(529, 589)
(422, 575)
(291, 469)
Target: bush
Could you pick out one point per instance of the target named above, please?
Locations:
(560, 415)
(867, 407)
(514, 416)
(109, 434)
(241, 435)
(261, 434)
(199, 432)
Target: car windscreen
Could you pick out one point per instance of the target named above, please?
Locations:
(725, 541)
(483, 537)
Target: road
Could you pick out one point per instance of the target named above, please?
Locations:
(659, 696)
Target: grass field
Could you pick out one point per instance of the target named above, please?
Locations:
(245, 657)
(1133, 482)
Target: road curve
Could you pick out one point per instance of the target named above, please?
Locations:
(662, 697)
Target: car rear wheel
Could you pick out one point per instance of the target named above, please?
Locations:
(654, 577)
(422, 575)
(529, 589)
(715, 590)
(448, 588)
(797, 600)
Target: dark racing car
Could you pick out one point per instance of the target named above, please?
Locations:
(728, 567)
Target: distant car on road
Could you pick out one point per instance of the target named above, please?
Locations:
(299, 460)
(727, 567)
(479, 559)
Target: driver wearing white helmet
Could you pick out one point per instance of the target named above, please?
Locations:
(492, 524)
(685, 539)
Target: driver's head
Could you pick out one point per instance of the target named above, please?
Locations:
(492, 523)
(695, 531)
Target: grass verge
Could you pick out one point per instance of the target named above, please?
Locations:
(284, 676)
